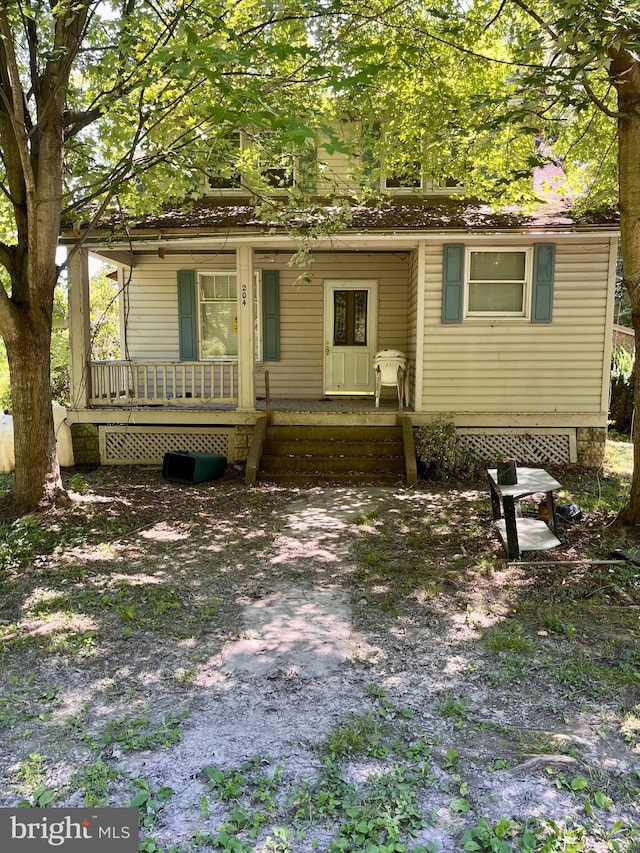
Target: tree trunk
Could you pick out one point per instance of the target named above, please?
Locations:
(628, 72)
(38, 481)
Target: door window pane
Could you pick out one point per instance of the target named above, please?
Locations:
(340, 317)
(350, 317)
(360, 317)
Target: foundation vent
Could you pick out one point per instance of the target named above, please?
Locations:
(527, 447)
(131, 445)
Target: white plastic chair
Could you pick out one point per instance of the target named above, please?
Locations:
(390, 366)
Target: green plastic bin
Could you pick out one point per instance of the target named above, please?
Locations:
(187, 466)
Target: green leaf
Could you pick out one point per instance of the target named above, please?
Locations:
(140, 799)
(45, 798)
(579, 783)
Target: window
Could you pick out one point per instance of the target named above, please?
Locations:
(218, 315)
(408, 179)
(227, 174)
(498, 282)
(218, 312)
(276, 165)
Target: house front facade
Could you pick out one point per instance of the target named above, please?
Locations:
(505, 320)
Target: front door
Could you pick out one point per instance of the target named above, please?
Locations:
(351, 312)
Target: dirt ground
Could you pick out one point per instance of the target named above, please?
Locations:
(329, 668)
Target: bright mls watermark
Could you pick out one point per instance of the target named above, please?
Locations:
(69, 830)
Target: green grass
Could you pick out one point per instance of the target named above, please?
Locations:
(619, 457)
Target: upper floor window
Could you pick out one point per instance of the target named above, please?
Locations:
(405, 179)
(227, 174)
(498, 281)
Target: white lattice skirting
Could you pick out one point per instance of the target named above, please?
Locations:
(529, 447)
(122, 445)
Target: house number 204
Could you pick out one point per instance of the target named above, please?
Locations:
(244, 294)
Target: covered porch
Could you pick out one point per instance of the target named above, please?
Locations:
(308, 365)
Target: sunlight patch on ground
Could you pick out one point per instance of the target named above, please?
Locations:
(164, 532)
(296, 630)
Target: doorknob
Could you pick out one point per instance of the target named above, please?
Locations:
(326, 347)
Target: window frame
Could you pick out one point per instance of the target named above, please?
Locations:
(257, 309)
(527, 282)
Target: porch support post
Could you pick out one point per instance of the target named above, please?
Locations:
(79, 329)
(418, 372)
(246, 329)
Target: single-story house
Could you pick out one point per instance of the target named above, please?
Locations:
(505, 319)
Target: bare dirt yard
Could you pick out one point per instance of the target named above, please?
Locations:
(329, 668)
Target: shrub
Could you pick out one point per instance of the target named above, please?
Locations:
(621, 407)
(441, 452)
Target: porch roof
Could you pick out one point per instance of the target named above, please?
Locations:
(213, 217)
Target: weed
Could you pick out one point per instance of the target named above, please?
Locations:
(507, 636)
(630, 726)
(29, 774)
(597, 677)
(22, 540)
(29, 778)
(22, 702)
(132, 733)
(248, 779)
(451, 706)
(40, 798)
(451, 760)
(77, 483)
(497, 838)
(382, 811)
(359, 734)
(149, 803)
(94, 782)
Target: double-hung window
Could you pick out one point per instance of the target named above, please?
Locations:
(498, 282)
(218, 315)
(218, 312)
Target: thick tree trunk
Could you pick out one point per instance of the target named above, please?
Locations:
(628, 72)
(38, 481)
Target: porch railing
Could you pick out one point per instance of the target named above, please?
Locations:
(131, 383)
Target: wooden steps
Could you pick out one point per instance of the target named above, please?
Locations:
(301, 453)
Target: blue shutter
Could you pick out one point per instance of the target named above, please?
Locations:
(270, 315)
(187, 314)
(452, 283)
(543, 273)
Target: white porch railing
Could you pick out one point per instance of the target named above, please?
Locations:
(139, 383)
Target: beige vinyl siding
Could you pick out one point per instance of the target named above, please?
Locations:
(299, 373)
(152, 311)
(513, 365)
(335, 173)
(151, 303)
